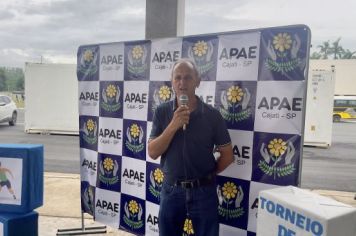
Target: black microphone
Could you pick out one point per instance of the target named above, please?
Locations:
(183, 100)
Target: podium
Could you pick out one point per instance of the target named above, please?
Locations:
(288, 211)
(21, 188)
(19, 224)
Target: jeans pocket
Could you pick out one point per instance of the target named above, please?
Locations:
(167, 189)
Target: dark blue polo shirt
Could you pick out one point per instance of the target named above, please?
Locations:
(206, 128)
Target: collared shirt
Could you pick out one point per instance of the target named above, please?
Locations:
(205, 130)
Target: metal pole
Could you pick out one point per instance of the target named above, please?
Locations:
(83, 230)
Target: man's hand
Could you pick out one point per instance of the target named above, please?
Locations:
(180, 117)
(226, 157)
(159, 145)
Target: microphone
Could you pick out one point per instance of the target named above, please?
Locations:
(183, 100)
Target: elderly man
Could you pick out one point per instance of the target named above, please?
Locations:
(185, 136)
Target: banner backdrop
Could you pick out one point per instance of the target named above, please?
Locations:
(255, 78)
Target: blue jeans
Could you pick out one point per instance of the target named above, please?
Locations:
(201, 203)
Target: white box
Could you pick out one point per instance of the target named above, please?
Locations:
(289, 211)
(51, 98)
(319, 108)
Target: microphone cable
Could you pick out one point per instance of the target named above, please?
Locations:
(184, 157)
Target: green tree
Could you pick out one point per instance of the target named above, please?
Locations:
(336, 50)
(315, 55)
(20, 83)
(2, 80)
(324, 49)
(347, 54)
(14, 79)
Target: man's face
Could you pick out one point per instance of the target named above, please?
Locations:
(184, 80)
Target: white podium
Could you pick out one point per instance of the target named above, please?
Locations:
(291, 211)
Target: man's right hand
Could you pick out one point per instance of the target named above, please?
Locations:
(180, 117)
(159, 145)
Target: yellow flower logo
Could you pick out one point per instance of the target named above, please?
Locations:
(164, 93)
(277, 147)
(108, 164)
(188, 227)
(229, 190)
(88, 55)
(133, 206)
(134, 130)
(200, 48)
(90, 125)
(111, 91)
(282, 42)
(235, 94)
(158, 175)
(137, 52)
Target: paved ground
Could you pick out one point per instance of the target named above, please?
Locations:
(61, 151)
(61, 209)
(332, 168)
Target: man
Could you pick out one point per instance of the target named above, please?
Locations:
(4, 181)
(184, 136)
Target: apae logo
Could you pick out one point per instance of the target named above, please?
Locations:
(111, 96)
(164, 57)
(230, 198)
(106, 207)
(137, 59)
(156, 180)
(88, 199)
(152, 220)
(109, 136)
(134, 98)
(234, 104)
(202, 53)
(89, 165)
(111, 62)
(134, 175)
(133, 214)
(87, 62)
(88, 98)
(134, 140)
(90, 129)
(242, 154)
(161, 95)
(283, 53)
(276, 103)
(232, 55)
(277, 152)
(108, 171)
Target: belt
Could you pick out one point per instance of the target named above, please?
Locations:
(194, 183)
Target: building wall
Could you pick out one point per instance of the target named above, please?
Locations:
(345, 74)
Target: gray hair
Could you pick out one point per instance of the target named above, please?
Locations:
(186, 61)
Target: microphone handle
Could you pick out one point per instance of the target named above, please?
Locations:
(184, 126)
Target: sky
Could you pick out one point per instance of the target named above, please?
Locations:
(50, 31)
